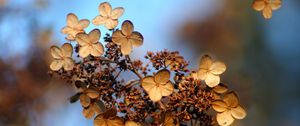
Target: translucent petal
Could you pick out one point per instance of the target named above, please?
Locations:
(82, 39)
(127, 28)
(126, 48)
(99, 20)
(85, 51)
(221, 88)
(94, 36)
(117, 12)
(231, 99)
(267, 12)
(97, 49)
(83, 24)
(275, 4)
(155, 94)
(148, 83)
(162, 76)
(212, 80)
(224, 118)
(219, 106)
(105, 9)
(167, 89)
(111, 23)
(238, 112)
(217, 68)
(67, 50)
(56, 52)
(66, 30)
(72, 20)
(84, 100)
(92, 93)
(88, 112)
(96, 108)
(205, 62)
(118, 37)
(136, 39)
(68, 64)
(56, 65)
(202, 74)
(258, 5)
(132, 123)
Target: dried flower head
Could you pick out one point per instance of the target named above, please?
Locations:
(74, 26)
(62, 57)
(266, 6)
(127, 38)
(109, 118)
(108, 17)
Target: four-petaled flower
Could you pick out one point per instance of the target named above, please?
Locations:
(158, 86)
(74, 26)
(90, 105)
(127, 38)
(107, 16)
(209, 71)
(228, 109)
(89, 43)
(108, 118)
(62, 57)
(266, 6)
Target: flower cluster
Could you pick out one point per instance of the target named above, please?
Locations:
(164, 92)
(266, 6)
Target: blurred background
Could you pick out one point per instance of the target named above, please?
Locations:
(263, 56)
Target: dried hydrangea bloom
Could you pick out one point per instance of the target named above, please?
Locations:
(108, 118)
(209, 71)
(74, 26)
(127, 38)
(170, 120)
(62, 57)
(266, 6)
(158, 85)
(132, 123)
(228, 109)
(108, 17)
(90, 108)
(89, 44)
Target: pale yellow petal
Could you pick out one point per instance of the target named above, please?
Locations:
(92, 93)
(118, 37)
(94, 36)
(85, 51)
(97, 49)
(132, 123)
(84, 100)
(258, 5)
(56, 52)
(167, 89)
(66, 30)
(267, 12)
(88, 112)
(219, 106)
(205, 62)
(162, 76)
(217, 68)
(212, 80)
(56, 65)
(72, 20)
(99, 20)
(126, 48)
(201, 74)
(117, 12)
(221, 88)
(68, 63)
(275, 4)
(82, 39)
(127, 28)
(105, 9)
(155, 94)
(238, 112)
(67, 50)
(231, 99)
(224, 118)
(136, 39)
(111, 23)
(148, 83)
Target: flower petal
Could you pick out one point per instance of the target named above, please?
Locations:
(84, 100)
(212, 80)
(56, 52)
(267, 12)
(132, 123)
(136, 39)
(275, 4)
(82, 39)
(111, 23)
(56, 65)
(68, 64)
(162, 76)
(167, 89)
(67, 50)
(205, 62)
(219, 106)
(85, 51)
(117, 12)
(217, 68)
(127, 28)
(221, 88)
(231, 99)
(126, 48)
(224, 118)
(83, 24)
(201, 74)
(92, 93)
(66, 30)
(97, 49)
(99, 20)
(155, 94)
(258, 5)
(148, 83)
(94, 36)
(88, 112)
(72, 20)
(105, 9)
(118, 37)
(238, 112)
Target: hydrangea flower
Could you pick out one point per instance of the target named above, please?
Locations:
(266, 6)
(158, 85)
(74, 26)
(62, 57)
(108, 17)
(108, 118)
(89, 44)
(127, 38)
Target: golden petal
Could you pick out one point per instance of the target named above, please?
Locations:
(221, 88)
(126, 48)
(258, 5)
(162, 76)
(105, 9)
(231, 99)
(224, 118)
(267, 12)
(88, 112)
(82, 39)
(85, 51)
(56, 52)
(92, 93)
(132, 123)
(275, 4)
(155, 94)
(84, 100)
(68, 64)
(167, 89)
(212, 80)
(97, 49)
(94, 36)
(127, 28)
(99, 20)
(136, 39)
(205, 62)
(219, 106)
(148, 83)
(238, 112)
(56, 65)
(117, 12)
(111, 23)
(72, 20)
(217, 68)
(118, 37)
(67, 50)
(83, 24)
